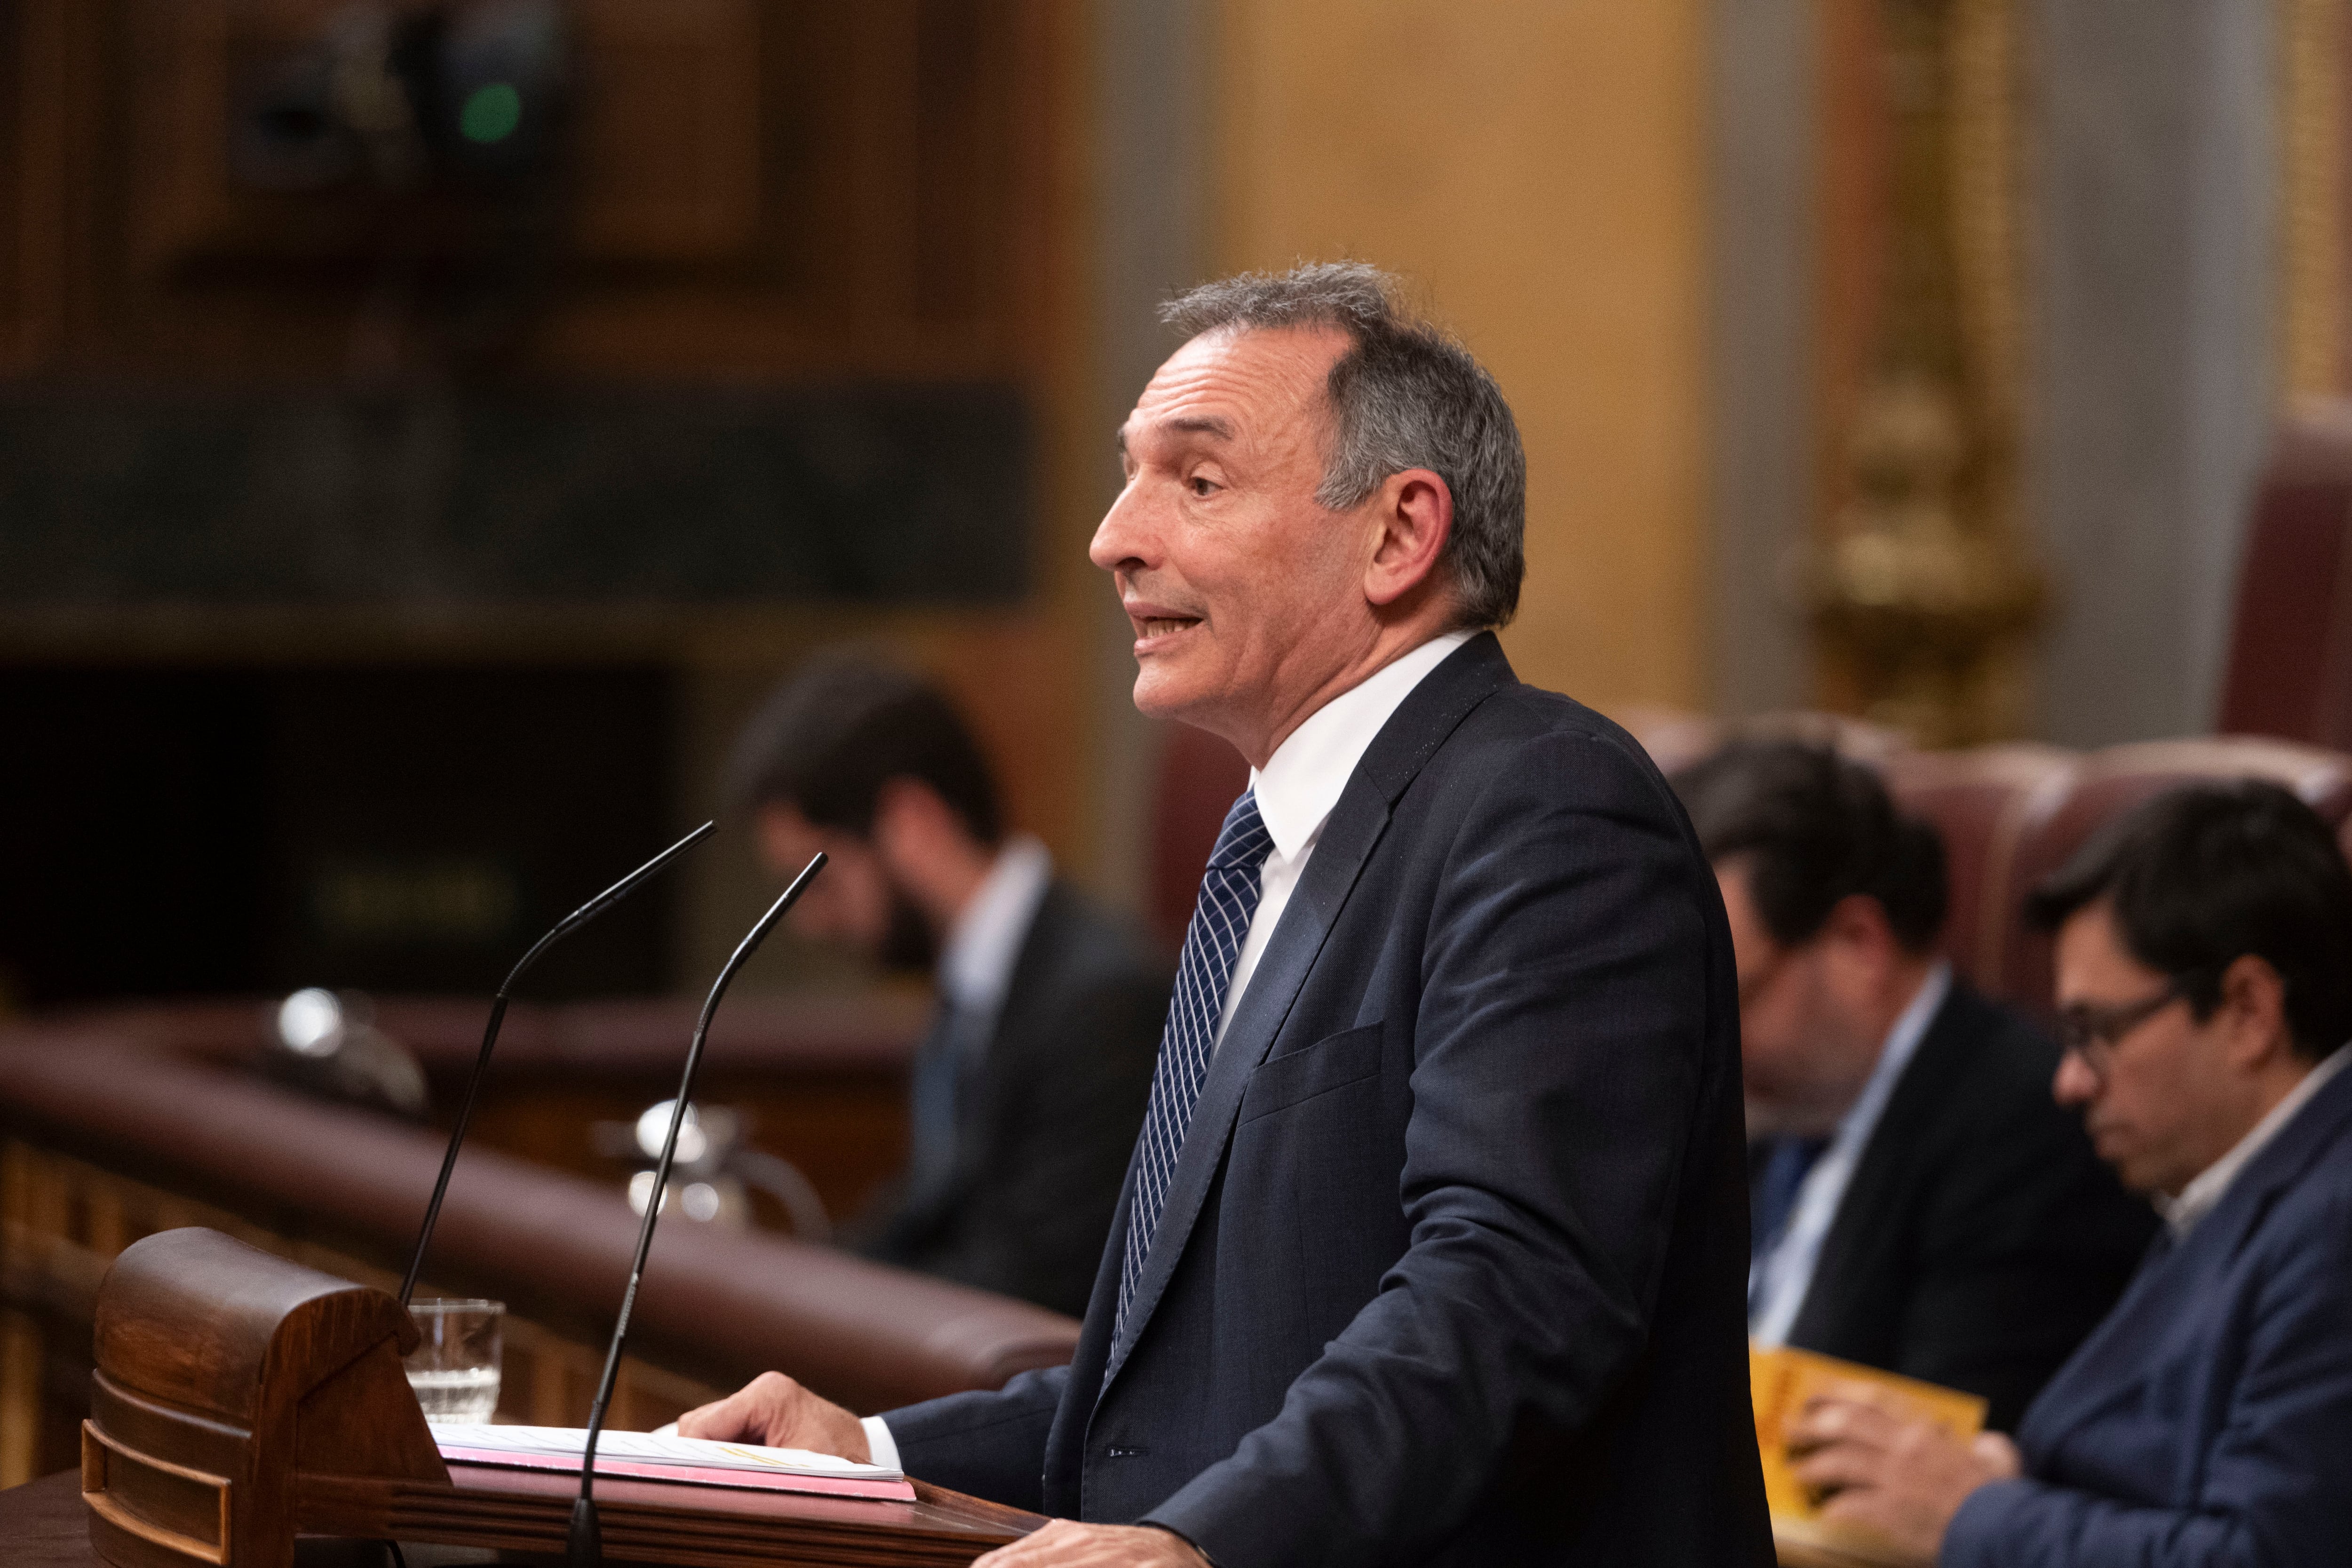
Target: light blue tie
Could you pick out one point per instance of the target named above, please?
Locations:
(1221, 922)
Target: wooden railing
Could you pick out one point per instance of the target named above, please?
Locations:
(821, 1083)
(102, 1142)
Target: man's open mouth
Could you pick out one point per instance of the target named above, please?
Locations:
(1163, 626)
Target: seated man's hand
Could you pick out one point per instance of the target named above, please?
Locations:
(1899, 1478)
(774, 1412)
(1065, 1544)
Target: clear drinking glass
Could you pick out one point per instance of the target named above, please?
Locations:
(455, 1369)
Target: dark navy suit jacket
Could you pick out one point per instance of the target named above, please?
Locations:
(2208, 1420)
(1452, 1263)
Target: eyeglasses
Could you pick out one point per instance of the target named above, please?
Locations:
(2093, 1032)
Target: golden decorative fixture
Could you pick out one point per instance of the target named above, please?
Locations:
(2311, 328)
(1922, 588)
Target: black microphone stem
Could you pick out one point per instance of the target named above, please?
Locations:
(585, 1544)
(564, 928)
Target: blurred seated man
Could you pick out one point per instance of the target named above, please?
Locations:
(1919, 1205)
(2205, 983)
(1030, 1087)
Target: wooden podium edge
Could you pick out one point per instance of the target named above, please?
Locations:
(672, 1522)
(100, 1452)
(323, 1435)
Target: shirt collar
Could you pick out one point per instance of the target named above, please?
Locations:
(976, 962)
(2199, 1197)
(1902, 1044)
(1304, 777)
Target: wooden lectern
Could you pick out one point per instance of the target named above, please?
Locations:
(240, 1400)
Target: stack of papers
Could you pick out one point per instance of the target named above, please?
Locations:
(644, 1456)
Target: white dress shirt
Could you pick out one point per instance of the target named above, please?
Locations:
(1303, 781)
(984, 943)
(1295, 792)
(2198, 1198)
(1779, 1278)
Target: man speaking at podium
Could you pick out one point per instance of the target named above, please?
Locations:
(1433, 1246)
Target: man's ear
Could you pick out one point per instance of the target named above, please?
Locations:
(912, 819)
(780, 833)
(1414, 512)
(1859, 921)
(2253, 1007)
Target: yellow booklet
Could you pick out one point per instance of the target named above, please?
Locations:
(1780, 1382)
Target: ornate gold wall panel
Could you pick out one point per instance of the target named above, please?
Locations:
(2316, 52)
(1921, 582)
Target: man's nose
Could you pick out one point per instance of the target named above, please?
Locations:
(1125, 534)
(2074, 1083)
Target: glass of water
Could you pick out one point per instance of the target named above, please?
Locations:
(455, 1368)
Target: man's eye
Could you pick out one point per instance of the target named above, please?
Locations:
(1201, 486)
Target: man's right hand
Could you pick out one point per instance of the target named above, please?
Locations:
(774, 1412)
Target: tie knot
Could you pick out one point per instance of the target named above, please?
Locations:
(1242, 843)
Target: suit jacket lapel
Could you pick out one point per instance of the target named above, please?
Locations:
(1324, 886)
(2111, 1363)
(981, 1109)
(1412, 734)
(1876, 1184)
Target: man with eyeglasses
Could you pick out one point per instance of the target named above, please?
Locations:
(2204, 947)
(1918, 1203)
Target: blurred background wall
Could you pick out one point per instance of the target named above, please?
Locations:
(1541, 173)
(428, 429)
(397, 517)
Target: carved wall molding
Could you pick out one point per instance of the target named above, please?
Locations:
(1922, 582)
(2315, 58)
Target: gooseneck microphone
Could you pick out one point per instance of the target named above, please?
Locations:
(564, 928)
(584, 1547)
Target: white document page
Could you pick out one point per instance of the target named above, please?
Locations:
(657, 1448)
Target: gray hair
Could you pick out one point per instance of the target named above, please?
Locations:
(1405, 395)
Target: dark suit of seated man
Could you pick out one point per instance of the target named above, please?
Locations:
(1921, 1203)
(2205, 983)
(1433, 1245)
(1030, 1085)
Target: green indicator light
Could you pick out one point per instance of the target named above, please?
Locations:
(492, 113)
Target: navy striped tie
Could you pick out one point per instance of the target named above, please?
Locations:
(1221, 922)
